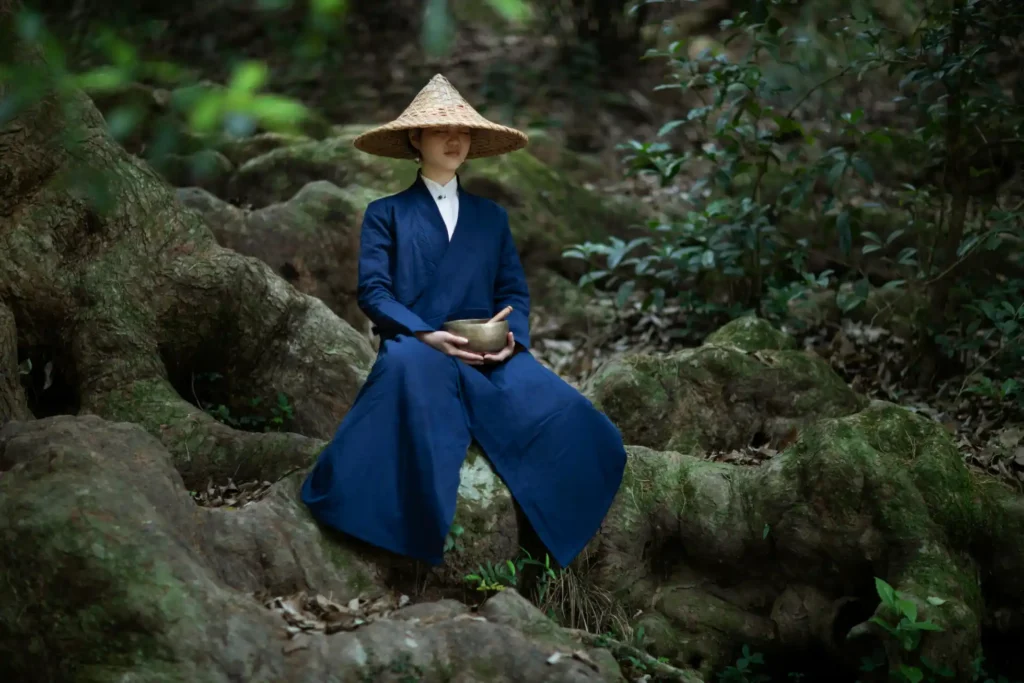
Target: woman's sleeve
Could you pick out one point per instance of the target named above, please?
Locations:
(375, 292)
(510, 286)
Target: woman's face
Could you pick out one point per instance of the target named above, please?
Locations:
(443, 148)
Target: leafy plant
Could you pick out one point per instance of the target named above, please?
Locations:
(743, 670)
(498, 577)
(451, 541)
(774, 164)
(908, 630)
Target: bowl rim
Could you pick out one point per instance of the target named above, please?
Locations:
(475, 321)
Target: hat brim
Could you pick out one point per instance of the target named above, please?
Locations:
(486, 139)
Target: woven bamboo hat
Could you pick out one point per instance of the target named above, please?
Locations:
(440, 104)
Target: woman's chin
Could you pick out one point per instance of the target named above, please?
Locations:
(449, 163)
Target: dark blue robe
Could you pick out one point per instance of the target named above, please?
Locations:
(390, 475)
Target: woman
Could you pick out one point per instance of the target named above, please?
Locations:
(430, 254)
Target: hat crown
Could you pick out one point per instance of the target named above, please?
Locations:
(438, 94)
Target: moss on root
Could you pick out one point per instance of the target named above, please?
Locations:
(719, 396)
(202, 447)
(751, 334)
(880, 492)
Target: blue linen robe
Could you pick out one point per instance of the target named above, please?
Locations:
(390, 475)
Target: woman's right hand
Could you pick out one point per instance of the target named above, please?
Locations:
(448, 344)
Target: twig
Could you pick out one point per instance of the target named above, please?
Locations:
(621, 650)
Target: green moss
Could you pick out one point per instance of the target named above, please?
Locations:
(925, 450)
(66, 534)
(751, 334)
(631, 393)
(925, 498)
(716, 396)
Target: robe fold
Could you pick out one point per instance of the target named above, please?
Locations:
(390, 475)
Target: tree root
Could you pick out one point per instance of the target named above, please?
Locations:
(111, 571)
(621, 651)
(137, 299)
(713, 553)
(13, 405)
(202, 447)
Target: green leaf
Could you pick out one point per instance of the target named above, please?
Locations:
(437, 32)
(836, 172)
(878, 621)
(592, 276)
(927, 626)
(843, 229)
(329, 7)
(625, 291)
(863, 168)
(895, 235)
(907, 608)
(885, 592)
(911, 673)
(249, 77)
(123, 120)
(276, 112)
(868, 248)
(102, 79)
(669, 127)
(707, 259)
(205, 112)
(511, 10)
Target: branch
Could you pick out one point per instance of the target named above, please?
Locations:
(622, 651)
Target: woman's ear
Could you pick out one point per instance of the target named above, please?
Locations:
(414, 143)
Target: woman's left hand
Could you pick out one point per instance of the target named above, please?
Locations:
(505, 353)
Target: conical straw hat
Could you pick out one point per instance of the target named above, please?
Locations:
(440, 104)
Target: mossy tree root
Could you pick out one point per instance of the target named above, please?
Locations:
(129, 298)
(784, 556)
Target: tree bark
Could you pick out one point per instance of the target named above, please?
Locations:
(130, 298)
(12, 397)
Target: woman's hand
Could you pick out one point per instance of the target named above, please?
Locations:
(448, 344)
(505, 353)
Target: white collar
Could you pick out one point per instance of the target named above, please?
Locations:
(436, 188)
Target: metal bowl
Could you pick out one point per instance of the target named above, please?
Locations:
(483, 336)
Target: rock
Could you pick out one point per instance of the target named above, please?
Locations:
(750, 334)
(112, 573)
(718, 397)
(311, 240)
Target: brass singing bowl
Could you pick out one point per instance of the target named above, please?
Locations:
(483, 336)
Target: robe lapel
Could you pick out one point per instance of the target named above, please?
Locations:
(455, 269)
(435, 235)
